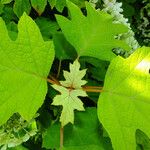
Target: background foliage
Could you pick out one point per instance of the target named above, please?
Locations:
(95, 32)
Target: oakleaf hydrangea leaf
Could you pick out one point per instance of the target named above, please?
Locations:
(94, 34)
(124, 106)
(61, 4)
(70, 101)
(24, 67)
(70, 91)
(58, 4)
(74, 77)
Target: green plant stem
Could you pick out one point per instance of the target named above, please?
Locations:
(59, 67)
(61, 137)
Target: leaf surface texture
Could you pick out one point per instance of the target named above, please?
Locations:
(125, 103)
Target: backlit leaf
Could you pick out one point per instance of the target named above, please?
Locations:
(124, 104)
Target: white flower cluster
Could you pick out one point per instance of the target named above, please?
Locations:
(16, 131)
(114, 8)
(93, 2)
(144, 23)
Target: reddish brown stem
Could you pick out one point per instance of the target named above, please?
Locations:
(92, 90)
(93, 87)
(96, 89)
(51, 81)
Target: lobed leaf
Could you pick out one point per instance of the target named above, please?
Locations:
(74, 77)
(70, 101)
(125, 103)
(24, 67)
(70, 90)
(61, 4)
(92, 35)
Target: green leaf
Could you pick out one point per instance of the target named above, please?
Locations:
(24, 67)
(79, 3)
(21, 6)
(6, 1)
(70, 101)
(70, 91)
(125, 103)
(47, 27)
(97, 67)
(84, 134)
(1, 7)
(8, 14)
(63, 49)
(58, 4)
(51, 138)
(92, 35)
(20, 147)
(142, 140)
(61, 4)
(39, 5)
(74, 77)
(52, 3)
(12, 30)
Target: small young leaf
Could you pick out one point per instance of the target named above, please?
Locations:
(70, 90)
(125, 103)
(74, 77)
(93, 35)
(70, 101)
(24, 67)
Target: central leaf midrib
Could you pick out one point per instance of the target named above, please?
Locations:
(23, 71)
